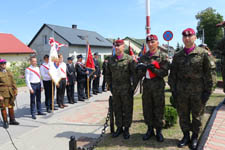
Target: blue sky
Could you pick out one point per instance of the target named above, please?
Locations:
(110, 18)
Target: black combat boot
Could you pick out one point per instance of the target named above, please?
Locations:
(159, 135)
(12, 117)
(126, 134)
(185, 140)
(119, 130)
(149, 133)
(194, 141)
(5, 120)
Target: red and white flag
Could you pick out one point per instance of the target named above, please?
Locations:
(58, 45)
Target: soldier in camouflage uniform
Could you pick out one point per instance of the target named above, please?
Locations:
(192, 79)
(221, 47)
(153, 98)
(120, 74)
(8, 92)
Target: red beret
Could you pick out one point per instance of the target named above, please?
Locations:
(119, 42)
(188, 31)
(2, 61)
(151, 37)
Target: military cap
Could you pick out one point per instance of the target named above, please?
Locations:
(96, 53)
(119, 42)
(151, 37)
(2, 61)
(79, 56)
(70, 58)
(188, 32)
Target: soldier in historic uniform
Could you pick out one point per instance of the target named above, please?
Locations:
(121, 77)
(8, 93)
(153, 98)
(71, 75)
(97, 75)
(192, 80)
(81, 78)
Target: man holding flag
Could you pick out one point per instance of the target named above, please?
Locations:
(153, 98)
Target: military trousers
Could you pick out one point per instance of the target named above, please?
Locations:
(190, 104)
(153, 102)
(123, 110)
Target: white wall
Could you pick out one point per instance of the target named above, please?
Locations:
(15, 57)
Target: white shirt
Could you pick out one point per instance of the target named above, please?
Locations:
(44, 72)
(31, 77)
(62, 67)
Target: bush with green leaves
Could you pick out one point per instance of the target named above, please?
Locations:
(172, 101)
(170, 116)
(18, 70)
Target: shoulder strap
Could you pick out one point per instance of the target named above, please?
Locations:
(34, 72)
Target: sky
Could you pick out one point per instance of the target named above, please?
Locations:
(110, 18)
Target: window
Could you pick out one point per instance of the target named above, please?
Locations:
(45, 39)
(99, 39)
(81, 37)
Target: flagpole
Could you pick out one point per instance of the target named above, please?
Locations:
(148, 17)
(52, 96)
(88, 87)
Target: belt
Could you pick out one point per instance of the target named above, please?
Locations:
(63, 78)
(35, 83)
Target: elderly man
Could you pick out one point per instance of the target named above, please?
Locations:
(192, 79)
(121, 77)
(8, 92)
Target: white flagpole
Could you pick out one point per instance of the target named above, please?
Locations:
(148, 17)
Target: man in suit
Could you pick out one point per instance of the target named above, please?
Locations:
(81, 77)
(71, 80)
(97, 75)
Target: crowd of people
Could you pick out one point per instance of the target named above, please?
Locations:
(191, 79)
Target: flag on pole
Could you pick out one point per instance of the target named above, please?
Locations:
(90, 65)
(57, 44)
(131, 53)
(143, 50)
(54, 69)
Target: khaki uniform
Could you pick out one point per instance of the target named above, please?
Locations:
(191, 75)
(8, 89)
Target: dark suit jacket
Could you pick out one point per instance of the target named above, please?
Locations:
(71, 73)
(97, 68)
(81, 73)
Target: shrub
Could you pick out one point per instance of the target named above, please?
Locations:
(170, 116)
(18, 71)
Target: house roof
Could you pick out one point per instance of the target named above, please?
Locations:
(10, 44)
(76, 36)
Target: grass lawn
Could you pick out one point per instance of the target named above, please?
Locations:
(171, 135)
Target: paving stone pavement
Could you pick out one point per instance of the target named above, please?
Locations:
(53, 131)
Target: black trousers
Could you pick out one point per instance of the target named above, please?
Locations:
(48, 93)
(96, 84)
(70, 92)
(80, 87)
(61, 92)
(103, 83)
(35, 97)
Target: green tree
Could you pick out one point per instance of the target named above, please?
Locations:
(207, 20)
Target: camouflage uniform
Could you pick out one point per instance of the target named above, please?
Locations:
(191, 75)
(153, 98)
(221, 47)
(119, 76)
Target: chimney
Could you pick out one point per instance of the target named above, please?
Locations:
(74, 26)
